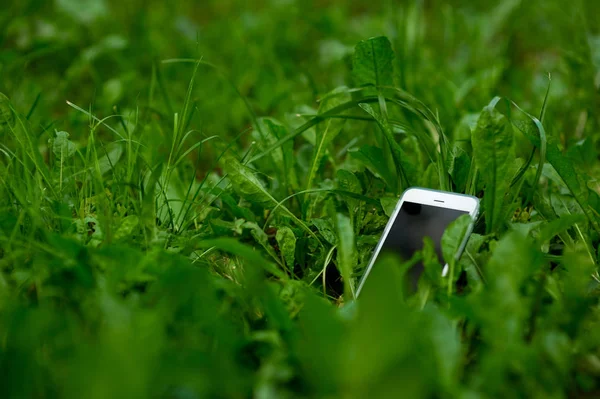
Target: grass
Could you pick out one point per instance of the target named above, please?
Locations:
(190, 194)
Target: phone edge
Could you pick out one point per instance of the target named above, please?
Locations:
(474, 214)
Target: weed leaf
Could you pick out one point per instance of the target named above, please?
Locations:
(454, 237)
(346, 255)
(349, 183)
(565, 169)
(62, 147)
(557, 226)
(263, 239)
(404, 168)
(372, 62)
(389, 205)
(107, 162)
(373, 159)
(247, 185)
(493, 154)
(287, 245)
(460, 166)
(269, 132)
(235, 247)
(126, 228)
(326, 229)
(452, 243)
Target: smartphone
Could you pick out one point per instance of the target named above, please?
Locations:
(421, 213)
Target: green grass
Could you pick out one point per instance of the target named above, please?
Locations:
(189, 194)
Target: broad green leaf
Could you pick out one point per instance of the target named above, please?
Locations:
(222, 227)
(347, 255)
(465, 127)
(445, 344)
(564, 205)
(557, 226)
(558, 348)
(62, 147)
(316, 198)
(452, 243)
(430, 177)
(513, 260)
(373, 351)
(472, 260)
(576, 292)
(233, 246)
(577, 277)
(372, 62)
(320, 324)
(269, 133)
(493, 154)
(232, 206)
(287, 245)
(248, 186)
(349, 183)
(431, 263)
(388, 204)
(460, 167)
(582, 153)
(501, 311)
(126, 228)
(454, 237)
(327, 130)
(326, 229)
(262, 238)
(405, 170)
(374, 160)
(113, 154)
(88, 228)
(525, 228)
(565, 169)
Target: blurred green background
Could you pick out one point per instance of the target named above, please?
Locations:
(280, 54)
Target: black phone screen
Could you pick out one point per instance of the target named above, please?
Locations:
(413, 223)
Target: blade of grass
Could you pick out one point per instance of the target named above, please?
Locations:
(543, 141)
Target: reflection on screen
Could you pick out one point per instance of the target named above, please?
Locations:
(413, 223)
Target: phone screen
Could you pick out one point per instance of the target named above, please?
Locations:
(413, 223)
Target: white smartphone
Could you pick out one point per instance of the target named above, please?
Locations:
(421, 213)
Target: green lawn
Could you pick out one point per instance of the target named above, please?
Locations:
(190, 193)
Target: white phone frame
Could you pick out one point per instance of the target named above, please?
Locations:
(425, 196)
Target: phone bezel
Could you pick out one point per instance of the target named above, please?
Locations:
(425, 196)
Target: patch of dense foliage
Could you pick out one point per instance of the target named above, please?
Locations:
(193, 220)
